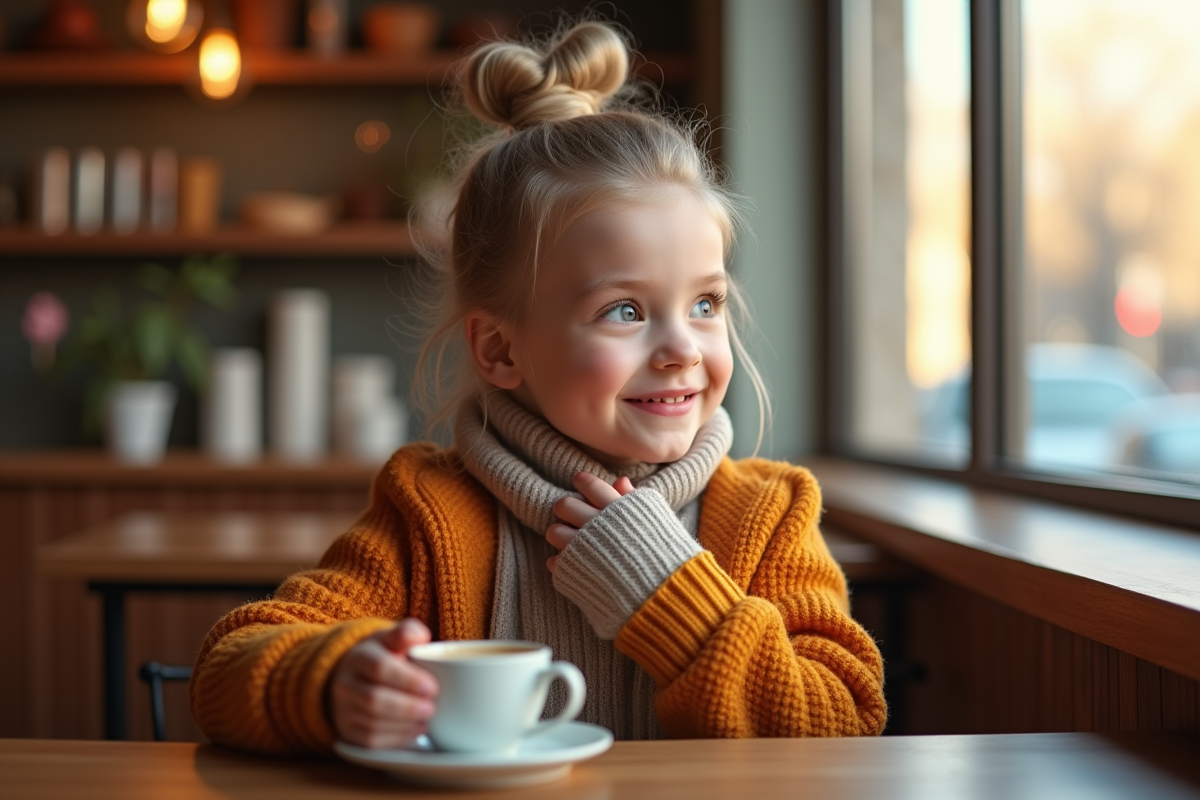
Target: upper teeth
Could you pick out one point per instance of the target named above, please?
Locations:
(668, 399)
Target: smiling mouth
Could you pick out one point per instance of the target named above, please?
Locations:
(683, 398)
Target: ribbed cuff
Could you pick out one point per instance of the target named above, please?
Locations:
(671, 628)
(296, 693)
(621, 557)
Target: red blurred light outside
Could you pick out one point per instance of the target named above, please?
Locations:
(1138, 314)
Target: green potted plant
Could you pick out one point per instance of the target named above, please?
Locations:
(131, 353)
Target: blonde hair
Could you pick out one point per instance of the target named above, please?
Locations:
(569, 136)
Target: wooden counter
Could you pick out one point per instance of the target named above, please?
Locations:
(178, 469)
(1012, 767)
(214, 547)
(51, 681)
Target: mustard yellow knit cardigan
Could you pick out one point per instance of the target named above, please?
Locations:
(750, 638)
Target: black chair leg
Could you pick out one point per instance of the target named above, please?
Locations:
(154, 674)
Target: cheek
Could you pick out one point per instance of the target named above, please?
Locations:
(570, 363)
(720, 361)
(604, 364)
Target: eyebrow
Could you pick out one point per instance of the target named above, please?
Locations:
(634, 285)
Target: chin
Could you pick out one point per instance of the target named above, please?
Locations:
(665, 455)
(623, 451)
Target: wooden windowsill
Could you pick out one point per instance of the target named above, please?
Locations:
(1131, 585)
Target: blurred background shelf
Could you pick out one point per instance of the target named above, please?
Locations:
(292, 130)
(179, 468)
(347, 239)
(283, 69)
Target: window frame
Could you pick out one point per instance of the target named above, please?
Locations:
(996, 247)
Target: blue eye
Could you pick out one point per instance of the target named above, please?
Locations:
(625, 312)
(704, 308)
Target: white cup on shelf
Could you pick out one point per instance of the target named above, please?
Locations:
(369, 423)
(232, 419)
(298, 337)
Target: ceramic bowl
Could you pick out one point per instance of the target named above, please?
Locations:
(289, 213)
(400, 28)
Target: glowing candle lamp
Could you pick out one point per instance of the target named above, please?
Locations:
(165, 19)
(164, 26)
(220, 64)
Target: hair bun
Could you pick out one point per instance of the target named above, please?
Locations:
(515, 86)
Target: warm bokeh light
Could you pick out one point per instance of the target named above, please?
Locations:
(165, 19)
(1111, 144)
(1112, 114)
(220, 64)
(938, 268)
(164, 26)
(372, 135)
(1138, 304)
(1138, 314)
(906, 117)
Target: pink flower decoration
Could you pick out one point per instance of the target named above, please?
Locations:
(45, 319)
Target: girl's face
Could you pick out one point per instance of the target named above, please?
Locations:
(625, 349)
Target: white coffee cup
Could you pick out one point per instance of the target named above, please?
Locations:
(493, 692)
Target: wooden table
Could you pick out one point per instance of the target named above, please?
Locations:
(1061, 766)
(247, 552)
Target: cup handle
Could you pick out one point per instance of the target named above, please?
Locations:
(576, 692)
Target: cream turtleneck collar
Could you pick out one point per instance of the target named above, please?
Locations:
(528, 465)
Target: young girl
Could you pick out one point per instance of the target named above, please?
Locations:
(588, 502)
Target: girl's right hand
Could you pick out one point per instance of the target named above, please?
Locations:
(377, 697)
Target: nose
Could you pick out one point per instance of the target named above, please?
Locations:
(676, 349)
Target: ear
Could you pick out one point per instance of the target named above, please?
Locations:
(490, 347)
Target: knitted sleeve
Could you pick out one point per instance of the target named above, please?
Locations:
(620, 558)
(752, 637)
(259, 680)
(260, 677)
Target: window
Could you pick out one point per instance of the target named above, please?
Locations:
(1110, 152)
(1017, 290)
(906, 117)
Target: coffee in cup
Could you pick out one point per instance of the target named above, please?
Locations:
(493, 692)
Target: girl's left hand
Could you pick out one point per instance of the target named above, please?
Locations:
(576, 513)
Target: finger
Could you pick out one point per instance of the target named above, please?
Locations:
(375, 664)
(375, 711)
(371, 734)
(362, 699)
(404, 635)
(560, 535)
(551, 563)
(596, 491)
(575, 512)
(623, 486)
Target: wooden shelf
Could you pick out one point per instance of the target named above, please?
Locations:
(348, 239)
(178, 468)
(131, 68)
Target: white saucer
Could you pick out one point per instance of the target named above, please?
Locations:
(538, 759)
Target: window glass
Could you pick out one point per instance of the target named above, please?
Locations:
(906, 191)
(1109, 287)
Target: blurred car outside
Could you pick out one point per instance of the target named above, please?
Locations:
(1162, 436)
(1077, 393)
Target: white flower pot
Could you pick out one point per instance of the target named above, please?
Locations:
(139, 420)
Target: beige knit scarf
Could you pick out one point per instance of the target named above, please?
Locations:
(528, 466)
